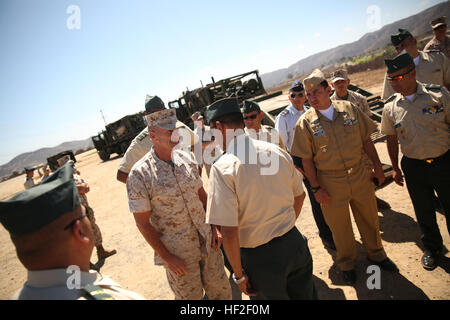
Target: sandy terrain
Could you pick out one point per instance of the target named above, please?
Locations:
(133, 267)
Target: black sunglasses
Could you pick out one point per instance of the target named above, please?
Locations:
(70, 225)
(252, 117)
(293, 95)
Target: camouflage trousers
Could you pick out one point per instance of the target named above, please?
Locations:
(208, 274)
(97, 234)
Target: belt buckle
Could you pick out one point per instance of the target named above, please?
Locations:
(349, 171)
(430, 161)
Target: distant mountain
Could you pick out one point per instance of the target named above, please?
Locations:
(418, 25)
(35, 158)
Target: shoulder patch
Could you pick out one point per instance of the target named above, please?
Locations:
(96, 292)
(141, 136)
(285, 112)
(433, 87)
(391, 98)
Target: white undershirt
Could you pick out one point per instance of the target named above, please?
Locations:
(328, 112)
(411, 97)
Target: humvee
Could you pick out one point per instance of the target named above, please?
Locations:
(118, 135)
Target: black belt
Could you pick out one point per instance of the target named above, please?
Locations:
(433, 160)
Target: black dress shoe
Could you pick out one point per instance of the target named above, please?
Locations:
(430, 260)
(329, 244)
(387, 264)
(349, 276)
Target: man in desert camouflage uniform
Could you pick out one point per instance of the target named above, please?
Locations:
(142, 143)
(431, 66)
(166, 196)
(340, 83)
(83, 188)
(54, 242)
(440, 41)
(29, 182)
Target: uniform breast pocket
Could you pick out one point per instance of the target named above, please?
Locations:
(406, 130)
(320, 138)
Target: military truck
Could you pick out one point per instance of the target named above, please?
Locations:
(118, 135)
(242, 86)
(53, 160)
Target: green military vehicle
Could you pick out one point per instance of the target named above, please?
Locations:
(243, 87)
(118, 135)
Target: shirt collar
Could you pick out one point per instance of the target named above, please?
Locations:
(58, 277)
(294, 110)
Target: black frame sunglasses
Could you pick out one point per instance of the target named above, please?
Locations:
(293, 95)
(70, 225)
(252, 117)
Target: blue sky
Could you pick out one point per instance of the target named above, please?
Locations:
(54, 80)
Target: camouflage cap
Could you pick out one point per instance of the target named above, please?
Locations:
(399, 62)
(166, 119)
(37, 207)
(250, 106)
(315, 78)
(222, 108)
(296, 86)
(436, 23)
(63, 160)
(153, 103)
(402, 34)
(340, 74)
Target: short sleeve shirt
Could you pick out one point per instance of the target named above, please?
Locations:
(357, 99)
(422, 126)
(285, 124)
(170, 193)
(335, 144)
(241, 194)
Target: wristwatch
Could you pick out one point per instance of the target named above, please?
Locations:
(240, 280)
(315, 189)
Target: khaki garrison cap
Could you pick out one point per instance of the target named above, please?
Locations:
(340, 74)
(37, 207)
(166, 119)
(315, 78)
(436, 23)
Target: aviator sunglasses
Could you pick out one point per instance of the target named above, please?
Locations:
(399, 77)
(252, 117)
(293, 95)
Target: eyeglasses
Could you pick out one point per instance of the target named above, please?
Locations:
(252, 117)
(70, 225)
(293, 95)
(399, 77)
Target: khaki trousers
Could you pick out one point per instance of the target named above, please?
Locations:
(352, 188)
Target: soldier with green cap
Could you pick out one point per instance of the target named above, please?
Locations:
(431, 66)
(440, 41)
(418, 116)
(253, 117)
(54, 242)
(29, 181)
(256, 210)
(142, 143)
(330, 138)
(167, 199)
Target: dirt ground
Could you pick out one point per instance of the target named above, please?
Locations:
(133, 267)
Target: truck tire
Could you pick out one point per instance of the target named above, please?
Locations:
(103, 155)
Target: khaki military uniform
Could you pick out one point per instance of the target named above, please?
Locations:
(268, 134)
(140, 146)
(29, 182)
(336, 149)
(53, 285)
(98, 239)
(434, 68)
(361, 102)
(170, 193)
(442, 46)
(422, 128)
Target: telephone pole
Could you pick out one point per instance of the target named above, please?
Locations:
(103, 116)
